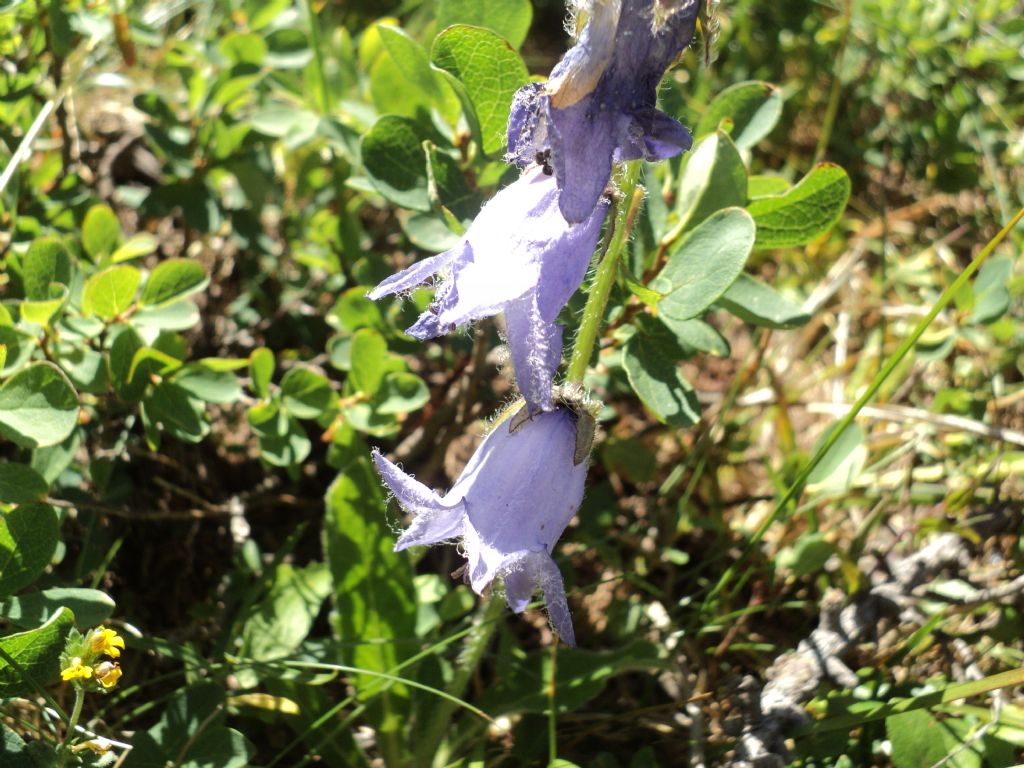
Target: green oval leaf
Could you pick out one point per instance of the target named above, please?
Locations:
(805, 212)
(47, 261)
(713, 178)
(508, 18)
(762, 305)
(651, 359)
(36, 656)
(90, 606)
(20, 483)
(401, 392)
(705, 263)
(368, 360)
(172, 280)
(485, 72)
(754, 108)
(28, 536)
(110, 292)
(38, 406)
(393, 156)
(101, 232)
(305, 393)
(401, 80)
(261, 371)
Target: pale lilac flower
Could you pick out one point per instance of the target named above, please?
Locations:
(508, 508)
(521, 257)
(598, 106)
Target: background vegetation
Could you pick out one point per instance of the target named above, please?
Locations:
(197, 195)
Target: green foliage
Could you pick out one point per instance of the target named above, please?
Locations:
(509, 18)
(28, 537)
(485, 73)
(30, 658)
(190, 375)
(803, 213)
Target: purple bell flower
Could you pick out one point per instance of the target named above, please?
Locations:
(508, 507)
(598, 107)
(519, 256)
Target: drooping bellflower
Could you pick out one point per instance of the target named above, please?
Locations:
(508, 508)
(520, 257)
(598, 106)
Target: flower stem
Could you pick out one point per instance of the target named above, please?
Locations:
(485, 622)
(76, 713)
(623, 216)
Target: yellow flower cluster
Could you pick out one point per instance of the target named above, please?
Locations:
(85, 652)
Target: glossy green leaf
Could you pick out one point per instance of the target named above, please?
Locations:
(448, 189)
(368, 360)
(135, 247)
(842, 464)
(91, 607)
(696, 336)
(110, 292)
(651, 358)
(283, 440)
(19, 345)
(485, 72)
(401, 80)
(209, 386)
(991, 290)
(28, 536)
(279, 623)
(42, 312)
(36, 654)
(765, 186)
(261, 371)
(20, 483)
(393, 156)
(704, 263)
(148, 362)
(305, 393)
(713, 178)
(401, 392)
(807, 211)
(753, 107)
(101, 232)
(172, 280)
(38, 406)
(762, 305)
(46, 261)
(174, 410)
(508, 18)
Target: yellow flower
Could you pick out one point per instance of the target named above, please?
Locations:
(108, 673)
(76, 670)
(103, 640)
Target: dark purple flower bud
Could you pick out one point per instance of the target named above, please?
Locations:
(521, 257)
(598, 107)
(508, 508)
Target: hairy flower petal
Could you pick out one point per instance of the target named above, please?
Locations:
(582, 124)
(435, 519)
(511, 504)
(519, 253)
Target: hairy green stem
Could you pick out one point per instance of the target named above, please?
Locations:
(624, 213)
(76, 713)
(484, 624)
(897, 357)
